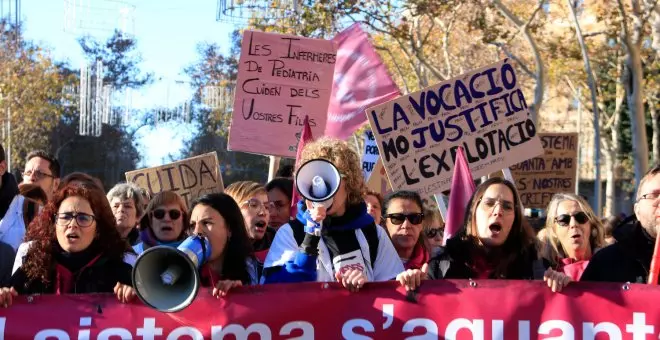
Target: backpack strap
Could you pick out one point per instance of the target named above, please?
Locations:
(371, 234)
(298, 231)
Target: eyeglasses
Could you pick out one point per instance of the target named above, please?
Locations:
(433, 232)
(399, 218)
(82, 220)
(159, 214)
(37, 174)
(650, 196)
(490, 204)
(256, 205)
(565, 219)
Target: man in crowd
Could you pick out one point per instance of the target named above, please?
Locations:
(8, 185)
(43, 170)
(629, 259)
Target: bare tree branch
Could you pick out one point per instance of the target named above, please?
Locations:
(593, 34)
(540, 73)
(396, 65)
(522, 64)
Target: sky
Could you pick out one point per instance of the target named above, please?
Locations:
(167, 33)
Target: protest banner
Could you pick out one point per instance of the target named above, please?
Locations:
(190, 178)
(281, 79)
(444, 309)
(539, 178)
(370, 154)
(378, 181)
(483, 111)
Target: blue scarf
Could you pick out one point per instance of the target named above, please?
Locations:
(149, 240)
(354, 218)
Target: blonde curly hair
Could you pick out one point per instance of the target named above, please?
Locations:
(344, 158)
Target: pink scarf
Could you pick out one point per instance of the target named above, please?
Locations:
(573, 268)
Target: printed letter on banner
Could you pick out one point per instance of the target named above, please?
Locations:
(483, 111)
(281, 79)
(539, 178)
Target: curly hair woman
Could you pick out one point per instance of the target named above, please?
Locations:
(76, 249)
(350, 247)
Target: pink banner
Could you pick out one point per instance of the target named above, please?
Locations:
(441, 310)
(281, 79)
(361, 81)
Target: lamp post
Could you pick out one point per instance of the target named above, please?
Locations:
(8, 146)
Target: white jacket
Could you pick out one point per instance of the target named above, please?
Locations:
(12, 226)
(388, 264)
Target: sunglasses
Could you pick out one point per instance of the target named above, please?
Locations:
(160, 214)
(565, 219)
(431, 233)
(398, 219)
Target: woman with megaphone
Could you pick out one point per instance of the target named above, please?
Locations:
(332, 238)
(76, 249)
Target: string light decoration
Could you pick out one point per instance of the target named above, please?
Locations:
(181, 111)
(99, 15)
(219, 97)
(240, 12)
(95, 101)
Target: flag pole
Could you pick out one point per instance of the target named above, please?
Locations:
(273, 166)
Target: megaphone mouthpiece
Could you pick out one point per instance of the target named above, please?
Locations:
(319, 188)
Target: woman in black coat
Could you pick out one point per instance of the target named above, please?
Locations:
(76, 249)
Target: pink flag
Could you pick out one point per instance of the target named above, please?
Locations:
(462, 188)
(305, 137)
(360, 81)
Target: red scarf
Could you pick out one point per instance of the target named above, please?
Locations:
(418, 258)
(64, 280)
(573, 268)
(481, 267)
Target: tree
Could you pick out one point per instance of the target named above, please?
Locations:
(215, 70)
(31, 84)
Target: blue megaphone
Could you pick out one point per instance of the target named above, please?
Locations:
(167, 278)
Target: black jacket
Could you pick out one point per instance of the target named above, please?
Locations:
(454, 263)
(8, 191)
(627, 260)
(99, 277)
(7, 255)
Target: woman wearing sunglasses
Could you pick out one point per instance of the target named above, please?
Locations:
(76, 249)
(434, 231)
(252, 198)
(163, 222)
(403, 220)
(496, 242)
(573, 235)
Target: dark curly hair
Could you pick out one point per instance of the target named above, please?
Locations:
(39, 259)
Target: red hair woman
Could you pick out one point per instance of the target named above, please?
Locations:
(77, 249)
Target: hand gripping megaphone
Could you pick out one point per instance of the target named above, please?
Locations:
(166, 278)
(318, 181)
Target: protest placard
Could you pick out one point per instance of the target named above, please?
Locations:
(370, 154)
(378, 182)
(190, 178)
(483, 111)
(281, 79)
(539, 178)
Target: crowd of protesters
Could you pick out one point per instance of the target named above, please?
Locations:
(63, 235)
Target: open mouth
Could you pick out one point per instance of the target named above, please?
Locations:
(72, 237)
(576, 236)
(495, 228)
(166, 228)
(260, 226)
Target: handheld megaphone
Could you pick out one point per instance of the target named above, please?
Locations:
(318, 181)
(167, 278)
